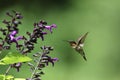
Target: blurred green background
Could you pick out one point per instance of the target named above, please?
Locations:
(101, 18)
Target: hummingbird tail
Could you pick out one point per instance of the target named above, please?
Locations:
(85, 58)
(83, 54)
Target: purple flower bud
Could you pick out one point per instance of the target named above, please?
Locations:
(18, 16)
(55, 59)
(19, 38)
(17, 66)
(54, 26)
(44, 33)
(40, 25)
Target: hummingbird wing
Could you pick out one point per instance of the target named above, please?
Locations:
(81, 39)
(81, 51)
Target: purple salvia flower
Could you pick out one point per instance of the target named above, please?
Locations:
(53, 25)
(17, 66)
(13, 33)
(13, 39)
(12, 36)
(19, 38)
(19, 16)
(40, 24)
(50, 27)
(54, 59)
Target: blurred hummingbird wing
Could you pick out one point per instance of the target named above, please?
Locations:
(82, 39)
(83, 54)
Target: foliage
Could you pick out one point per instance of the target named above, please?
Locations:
(12, 58)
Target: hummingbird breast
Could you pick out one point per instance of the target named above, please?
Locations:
(78, 48)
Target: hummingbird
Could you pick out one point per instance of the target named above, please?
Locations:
(78, 45)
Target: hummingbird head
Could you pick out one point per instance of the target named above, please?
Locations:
(72, 43)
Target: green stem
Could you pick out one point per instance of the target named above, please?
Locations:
(6, 73)
(36, 67)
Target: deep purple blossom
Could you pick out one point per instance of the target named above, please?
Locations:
(47, 59)
(50, 27)
(18, 15)
(40, 27)
(19, 38)
(13, 33)
(54, 59)
(13, 38)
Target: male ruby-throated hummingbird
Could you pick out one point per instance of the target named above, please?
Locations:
(78, 45)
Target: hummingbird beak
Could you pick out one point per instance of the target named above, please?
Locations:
(71, 42)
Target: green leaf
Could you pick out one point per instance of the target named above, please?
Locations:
(12, 58)
(2, 77)
(19, 79)
(8, 77)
